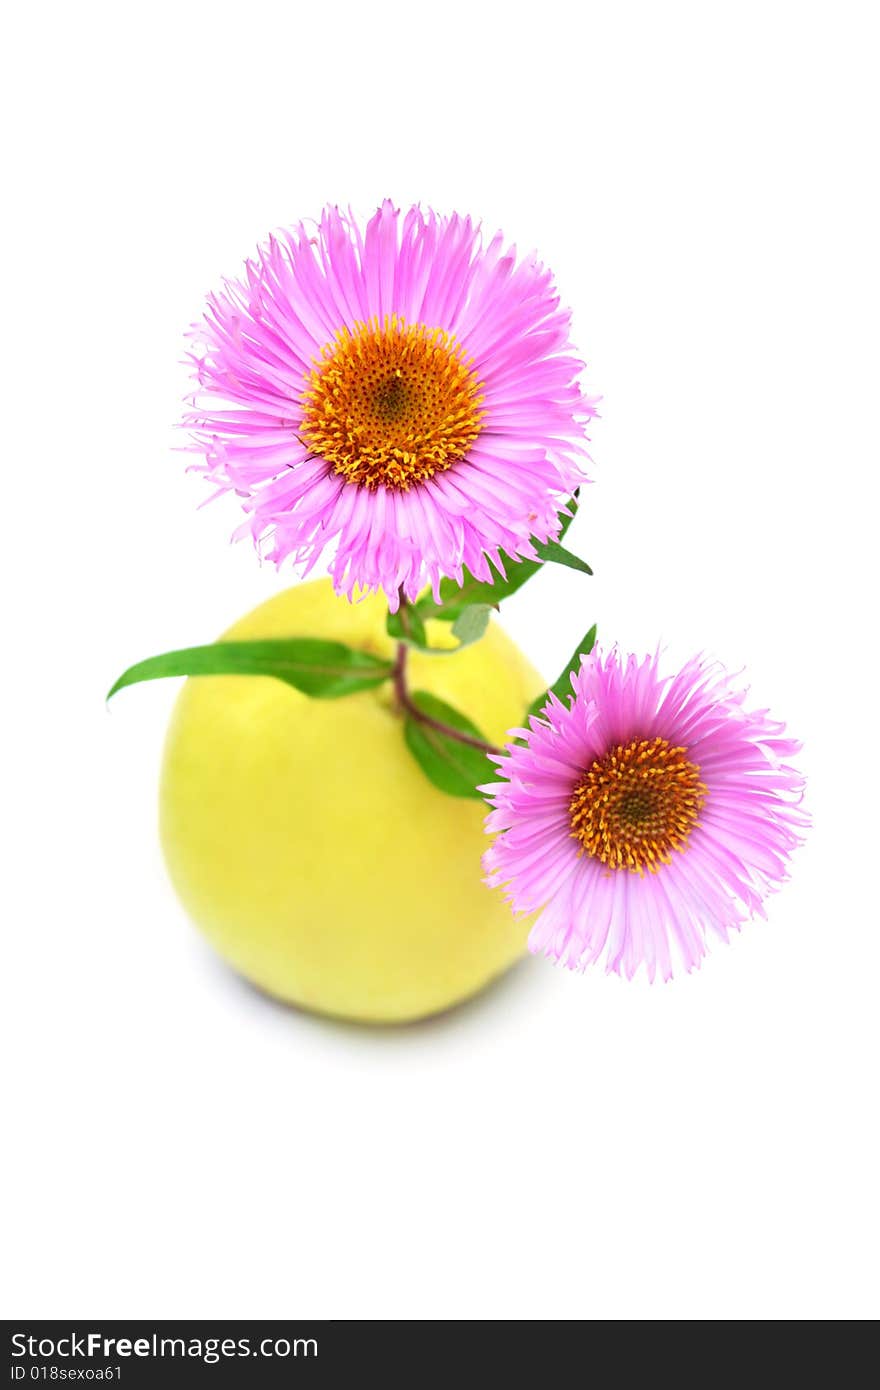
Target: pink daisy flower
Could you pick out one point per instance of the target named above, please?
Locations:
(644, 815)
(403, 394)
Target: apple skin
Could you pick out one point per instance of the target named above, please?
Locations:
(307, 844)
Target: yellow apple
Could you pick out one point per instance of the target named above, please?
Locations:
(308, 845)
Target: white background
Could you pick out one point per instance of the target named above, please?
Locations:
(701, 178)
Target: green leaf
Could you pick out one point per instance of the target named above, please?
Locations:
(454, 598)
(407, 625)
(455, 768)
(323, 669)
(471, 623)
(561, 687)
(552, 553)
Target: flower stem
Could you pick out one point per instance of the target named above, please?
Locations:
(408, 706)
(398, 678)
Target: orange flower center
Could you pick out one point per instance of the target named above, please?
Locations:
(391, 404)
(637, 804)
